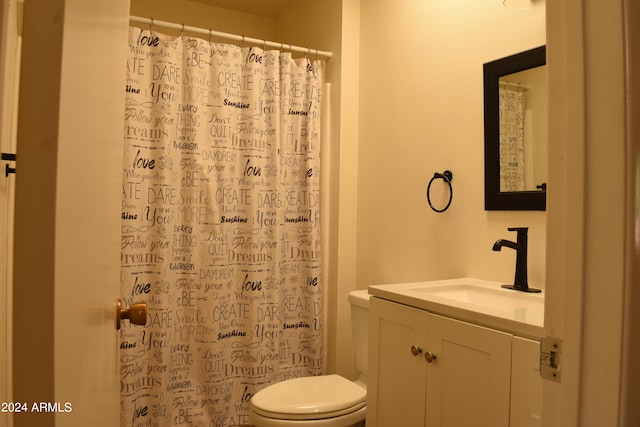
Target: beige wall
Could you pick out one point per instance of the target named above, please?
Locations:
(421, 112)
(203, 16)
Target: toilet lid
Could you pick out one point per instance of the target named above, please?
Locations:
(310, 397)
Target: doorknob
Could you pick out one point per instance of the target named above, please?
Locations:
(430, 357)
(415, 350)
(137, 313)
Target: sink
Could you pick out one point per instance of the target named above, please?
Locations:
(474, 300)
(480, 295)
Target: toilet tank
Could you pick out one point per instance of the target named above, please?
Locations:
(359, 301)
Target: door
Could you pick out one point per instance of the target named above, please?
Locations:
(469, 376)
(9, 59)
(67, 209)
(396, 391)
(592, 245)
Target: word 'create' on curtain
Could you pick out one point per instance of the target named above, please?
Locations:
(220, 228)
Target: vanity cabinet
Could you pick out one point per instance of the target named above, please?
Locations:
(397, 395)
(526, 383)
(430, 370)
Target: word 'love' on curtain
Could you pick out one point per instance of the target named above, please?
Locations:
(220, 228)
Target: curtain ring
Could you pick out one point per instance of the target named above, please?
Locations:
(182, 31)
(242, 43)
(447, 176)
(151, 25)
(209, 35)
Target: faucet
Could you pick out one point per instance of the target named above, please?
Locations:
(520, 282)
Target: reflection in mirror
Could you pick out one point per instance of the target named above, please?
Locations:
(515, 100)
(523, 130)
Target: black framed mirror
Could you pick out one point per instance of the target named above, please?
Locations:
(514, 174)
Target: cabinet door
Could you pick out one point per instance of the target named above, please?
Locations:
(468, 382)
(396, 378)
(526, 384)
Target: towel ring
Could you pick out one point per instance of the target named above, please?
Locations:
(447, 176)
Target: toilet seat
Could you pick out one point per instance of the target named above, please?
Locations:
(309, 398)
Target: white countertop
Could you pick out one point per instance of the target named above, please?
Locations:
(476, 301)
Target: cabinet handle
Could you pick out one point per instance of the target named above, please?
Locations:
(415, 350)
(430, 357)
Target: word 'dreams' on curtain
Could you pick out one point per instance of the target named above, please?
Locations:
(220, 228)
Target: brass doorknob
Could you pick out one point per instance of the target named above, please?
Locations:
(137, 313)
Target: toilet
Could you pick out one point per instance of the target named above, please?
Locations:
(322, 401)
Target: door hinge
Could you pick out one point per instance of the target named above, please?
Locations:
(10, 158)
(550, 355)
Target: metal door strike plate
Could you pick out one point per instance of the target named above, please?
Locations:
(550, 355)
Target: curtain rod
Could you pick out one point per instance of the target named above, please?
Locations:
(517, 85)
(208, 32)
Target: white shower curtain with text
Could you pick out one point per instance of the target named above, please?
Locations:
(220, 228)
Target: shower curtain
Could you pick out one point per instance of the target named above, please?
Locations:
(220, 228)
(512, 150)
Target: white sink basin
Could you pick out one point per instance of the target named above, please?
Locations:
(479, 295)
(473, 300)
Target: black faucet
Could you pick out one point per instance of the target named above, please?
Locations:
(520, 282)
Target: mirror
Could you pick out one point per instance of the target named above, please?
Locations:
(515, 132)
